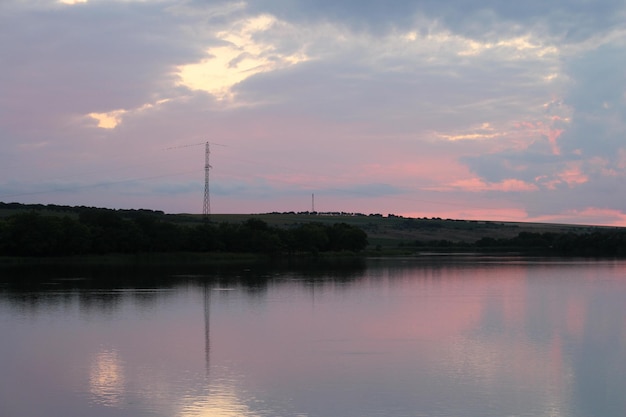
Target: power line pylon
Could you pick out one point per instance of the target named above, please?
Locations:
(206, 208)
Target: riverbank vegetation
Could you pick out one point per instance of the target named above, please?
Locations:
(598, 243)
(103, 231)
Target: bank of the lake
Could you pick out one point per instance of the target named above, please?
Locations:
(53, 231)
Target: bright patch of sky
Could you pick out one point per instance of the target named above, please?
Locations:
(240, 56)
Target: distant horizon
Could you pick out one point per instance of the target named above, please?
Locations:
(305, 212)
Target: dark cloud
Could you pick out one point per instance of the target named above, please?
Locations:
(359, 15)
(601, 193)
(527, 166)
(598, 98)
(409, 94)
(570, 19)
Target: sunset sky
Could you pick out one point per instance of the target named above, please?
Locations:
(486, 109)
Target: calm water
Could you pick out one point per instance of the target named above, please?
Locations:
(439, 337)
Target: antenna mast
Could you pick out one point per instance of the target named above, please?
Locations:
(206, 208)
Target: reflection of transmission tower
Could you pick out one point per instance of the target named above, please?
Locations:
(206, 208)
(207, 324)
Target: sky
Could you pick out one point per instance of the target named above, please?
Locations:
(482, 110)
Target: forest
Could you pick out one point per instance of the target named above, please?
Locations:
(610, 243)
(597, 243)
(106, 231)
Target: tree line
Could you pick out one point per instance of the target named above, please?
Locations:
(597, 243)
(105, 231)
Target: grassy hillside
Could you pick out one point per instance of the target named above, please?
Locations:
(395, 230)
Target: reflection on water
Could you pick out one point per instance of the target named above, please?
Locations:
(106, 378)
(447, 337)
(220, 400)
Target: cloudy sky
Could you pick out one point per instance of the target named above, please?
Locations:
(488, 109)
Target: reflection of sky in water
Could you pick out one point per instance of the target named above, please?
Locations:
(221, 403)
(443, 340)
(223, 399)
(106, 378)
(219, 398)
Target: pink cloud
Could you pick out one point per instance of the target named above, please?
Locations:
(553, 135)
(476, 184)
(622, 159)
(541, 128)
(573, 175)
(589, 215)
(512, 184)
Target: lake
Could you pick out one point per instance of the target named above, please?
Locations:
(433, 336)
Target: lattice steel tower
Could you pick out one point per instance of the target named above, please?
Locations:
(206, 208)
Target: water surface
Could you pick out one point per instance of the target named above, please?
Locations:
(399, 337)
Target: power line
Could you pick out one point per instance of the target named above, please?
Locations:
(189, 145)
(206, 207)
(100, 184)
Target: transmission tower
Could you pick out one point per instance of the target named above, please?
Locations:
(206, 208)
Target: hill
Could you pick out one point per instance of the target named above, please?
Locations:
(392, 231)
